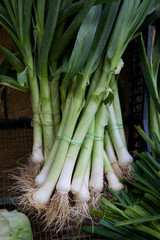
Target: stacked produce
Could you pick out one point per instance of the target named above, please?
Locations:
(67, 55)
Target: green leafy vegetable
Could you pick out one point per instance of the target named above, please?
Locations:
(14, 225)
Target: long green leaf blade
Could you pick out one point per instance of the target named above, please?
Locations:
(11, 82)
(103, 233)
(82, 45)
(123, 231)
(13, 36)
(48, 35)
(114, 208)
(59, 46)
(11, 13)
(20, 19)
(101, 37)
(75, 7)
(5, 16)
(148, 76)
(137, 220)
(12, 59)
(27, 7)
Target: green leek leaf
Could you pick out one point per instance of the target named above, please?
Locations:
(11, 13)
(138, 220)
(59, 46)
(104, 233)
(27, 7)
(23, 78)
(4, 16)
(82, 45)
(148, 76)
(11, 82)
(103, 31)
(75, 7)
(13, 36)
(20, 18)
(12, 59)
(123, 231)
(48, 36)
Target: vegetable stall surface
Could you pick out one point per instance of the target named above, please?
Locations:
(67, 56)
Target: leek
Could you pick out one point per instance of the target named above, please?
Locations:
(70, 53)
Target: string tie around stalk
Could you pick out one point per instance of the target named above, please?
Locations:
(42, 123)
(41, 116)
(56, 113)
(94, 137)
(79, 144)
(114, 126)
(42, 113)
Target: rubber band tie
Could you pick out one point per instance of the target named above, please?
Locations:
(79, 144)
(114, 126)
(94, 137)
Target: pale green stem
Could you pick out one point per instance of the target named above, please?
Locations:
(108, 146)
(153, 118)
(124, 158)
(46, 115)
(93, 85)
(55, 99)
(81, 131)
(43, 194)
(118, 113)
(83, 195)
(42, 176)
(113, 181)
(97, 170)
(107, 165)
(37, 152)
(84, 157)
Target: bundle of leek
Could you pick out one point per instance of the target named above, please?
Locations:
(68, 57)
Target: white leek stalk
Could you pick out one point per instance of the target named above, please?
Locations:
(43, 194)
(124, 158)
(37, 152)
(84, 156)
(113, 181)
(79, 135)
(42, 176)
(154, 118)
(81, 208)
(108, 146)
(55, 101)
(83, 195)
(97, 171)
(118, 112)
